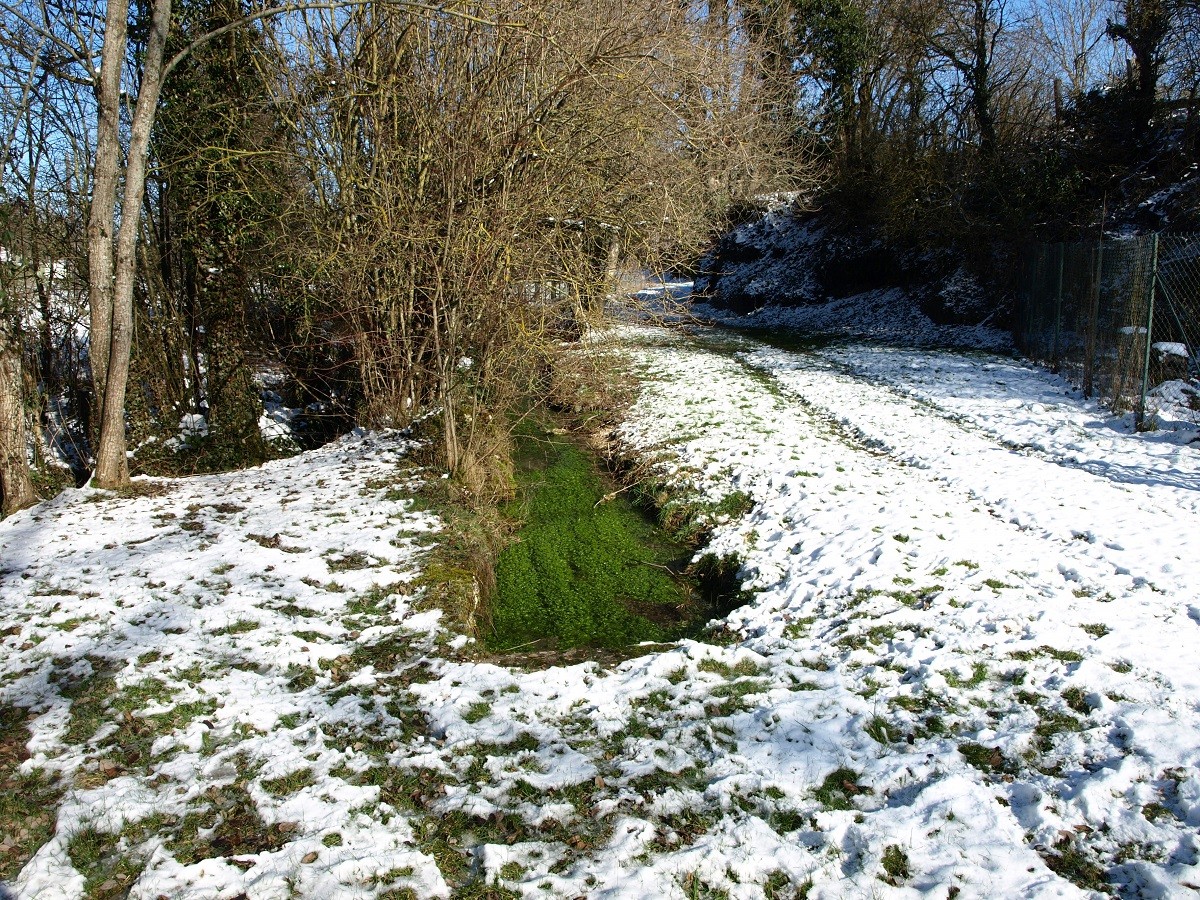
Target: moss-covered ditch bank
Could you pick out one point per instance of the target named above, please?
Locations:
(589, 565)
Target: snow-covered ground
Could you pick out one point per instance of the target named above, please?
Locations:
(970, 665)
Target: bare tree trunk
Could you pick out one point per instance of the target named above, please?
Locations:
(104, 197)
(16, 490)
(112, 464)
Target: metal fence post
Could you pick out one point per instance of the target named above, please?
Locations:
(1141, 414)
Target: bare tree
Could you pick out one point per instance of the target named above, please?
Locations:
(472, 185)
(1073, 42)
(16, 488)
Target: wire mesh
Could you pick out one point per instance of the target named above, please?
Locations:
(1120, 317)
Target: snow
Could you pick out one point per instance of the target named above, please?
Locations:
(1171, 348)
(972, 636)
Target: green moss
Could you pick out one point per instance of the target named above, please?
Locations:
(586, 569)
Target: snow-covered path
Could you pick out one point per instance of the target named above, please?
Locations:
(970, 665)
(964, 533)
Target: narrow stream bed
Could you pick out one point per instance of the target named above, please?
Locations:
(588, 567)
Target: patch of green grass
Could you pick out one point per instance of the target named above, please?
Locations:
(1076, 698)
(839, 789)
(798, 627)
(1096, 629)
(918, 597)
(744, 667)
(735, 505)
(229, 825)
(348, 562)
(477, 711)
(1155, 811)
(300, 678)
(374, 602)
(996, 584)
(108, 873)
(89, 698)
(731, 696)
(1068, 656)
(880, 731)
(286, 785)
(877, 634)
(1052, 723)
(239, 627)
(1070, 862)
(896, 866)
(914, 703)
(512, 870)
(779, 886)
(979, 673)
(986, 759)
(28, 802)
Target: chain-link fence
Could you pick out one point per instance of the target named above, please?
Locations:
(1120, 317)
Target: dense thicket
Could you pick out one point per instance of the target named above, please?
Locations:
(403, 206)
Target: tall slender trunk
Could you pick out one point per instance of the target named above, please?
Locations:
(16, 490)
(105, 178)
(112, 465)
